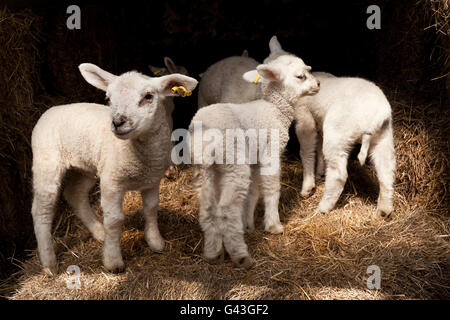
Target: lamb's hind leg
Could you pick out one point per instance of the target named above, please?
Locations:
(336, 157)
(383, 156)
(76, 193)
(213, 247)
(234, 189)
(270, 185)
(46, 185)
(251, 202)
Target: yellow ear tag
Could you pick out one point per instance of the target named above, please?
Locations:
(181, 91)
(256, 78)
(157, 72)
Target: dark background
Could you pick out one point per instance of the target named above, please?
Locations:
(330, 36)
(404, 56)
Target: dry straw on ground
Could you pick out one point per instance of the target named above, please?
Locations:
(318, 256)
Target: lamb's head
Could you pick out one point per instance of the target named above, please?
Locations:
(286, 75)
(135, 99)
(170, 68)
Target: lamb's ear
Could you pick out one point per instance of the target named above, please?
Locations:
(157, 71)
(174, 80)
(245, 53)
(96, 76)
(171, 66)
(274, 45)
(270, 72)
(251, 76)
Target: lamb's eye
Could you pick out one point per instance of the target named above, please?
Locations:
(148, 96)
(301, 77)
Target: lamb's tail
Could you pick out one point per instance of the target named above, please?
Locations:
(367, 138)
(365, 144)
(196, 144)
(194, 138)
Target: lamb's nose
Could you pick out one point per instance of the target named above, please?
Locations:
(318, 83)
(118, 122)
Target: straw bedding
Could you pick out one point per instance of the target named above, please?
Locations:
(318, 257)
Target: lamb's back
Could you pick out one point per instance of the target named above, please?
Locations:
(222, 82)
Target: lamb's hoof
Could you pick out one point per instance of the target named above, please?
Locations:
(117, 270)
(245, 262)
(384, 214)
(249, 229)
(317, 211)
(320, 178)
(323, 208)
(217, 259)
(157, 245)
(275, 228)
(99, 233)
(50, 271)
(307, 193)
(171, 173)
(114, 266)
(308, 186)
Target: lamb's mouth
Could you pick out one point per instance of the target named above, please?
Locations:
(122, 134)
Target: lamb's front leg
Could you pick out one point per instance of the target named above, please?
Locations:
(152, 235)
(111, 202)
(306, 132)
(335, 177)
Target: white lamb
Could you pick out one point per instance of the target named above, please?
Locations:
(350, 110)
(228, 192)
(344, 112)
(127, 145)
(222, 82)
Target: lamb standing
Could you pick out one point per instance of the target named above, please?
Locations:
(345, 111)
(222, 82)
(227, 190)
(126, 145)
(351, 110)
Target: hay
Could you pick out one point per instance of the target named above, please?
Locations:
(421, 140)
(318, 256)
(416, 57)
(19, 82)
